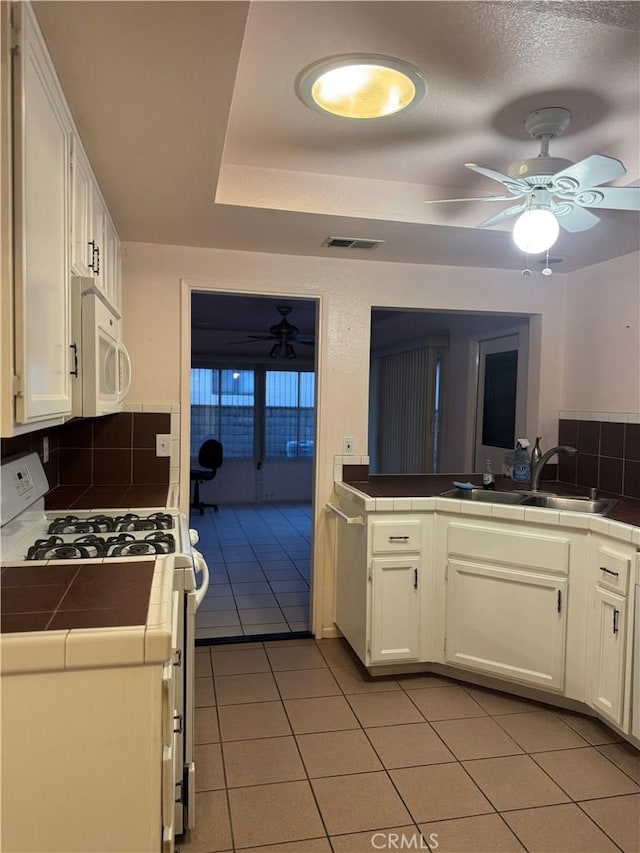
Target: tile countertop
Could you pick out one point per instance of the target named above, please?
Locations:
(112, 497)
(51, 622)
(627, 510)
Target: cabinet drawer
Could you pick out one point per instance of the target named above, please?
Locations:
(612, 570)
(533, 552)
(390, 537)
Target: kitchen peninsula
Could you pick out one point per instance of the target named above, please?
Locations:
(526, 599)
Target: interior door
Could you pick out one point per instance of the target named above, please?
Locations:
(501, 398)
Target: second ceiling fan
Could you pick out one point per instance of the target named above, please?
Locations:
(284, 333)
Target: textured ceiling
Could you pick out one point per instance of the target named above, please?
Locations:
(192, 124)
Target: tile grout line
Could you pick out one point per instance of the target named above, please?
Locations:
(327, 666)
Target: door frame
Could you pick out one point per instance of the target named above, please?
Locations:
(187, 288)
(522, 395)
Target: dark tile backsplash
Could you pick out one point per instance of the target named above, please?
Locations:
(111, 450)
(608, 456)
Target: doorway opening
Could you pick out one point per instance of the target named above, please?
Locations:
(253, 390)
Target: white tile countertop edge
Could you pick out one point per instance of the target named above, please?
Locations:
(84, 648)
(497, 512)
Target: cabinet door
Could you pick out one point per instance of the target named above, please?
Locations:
(81, 180)
(395, 609)
(111, 264)
(508, 622)
(96, 238)
(607, 654)
(42, 140)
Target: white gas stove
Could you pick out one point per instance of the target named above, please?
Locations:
(29, 533)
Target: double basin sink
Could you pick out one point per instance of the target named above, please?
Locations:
(570, 503)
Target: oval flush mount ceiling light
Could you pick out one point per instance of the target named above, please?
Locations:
(361, 86)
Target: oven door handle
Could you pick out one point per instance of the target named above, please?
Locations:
(201, 566)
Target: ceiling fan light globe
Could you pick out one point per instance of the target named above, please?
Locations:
(535, 231)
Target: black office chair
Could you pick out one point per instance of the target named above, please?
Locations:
(209, 459)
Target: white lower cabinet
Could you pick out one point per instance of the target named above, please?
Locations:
(395, 609)
(608, 644)
(526, 603)
(379, 605)
(507, 622)
(506, 601)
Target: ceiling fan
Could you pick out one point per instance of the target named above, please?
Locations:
(284, 333)
(554, 188)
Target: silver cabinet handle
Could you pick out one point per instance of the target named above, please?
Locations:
(616, 614)
(399, 538)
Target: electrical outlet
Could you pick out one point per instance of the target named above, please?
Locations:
(45, 448)
(163, 445)
(347, 445)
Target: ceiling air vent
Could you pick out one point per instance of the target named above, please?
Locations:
(352, 243)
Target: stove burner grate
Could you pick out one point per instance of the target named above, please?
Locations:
(92, 547)
(55, 549)
(126, 545)
(102, 523)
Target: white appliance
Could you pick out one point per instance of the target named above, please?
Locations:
(29, 535)
(101, 370)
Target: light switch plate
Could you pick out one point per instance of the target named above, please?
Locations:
(163, 445)
(347, 445)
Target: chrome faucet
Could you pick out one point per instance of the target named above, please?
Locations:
(536, 467)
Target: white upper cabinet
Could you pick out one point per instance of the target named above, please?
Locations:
(81, 180)
(95, 248)
(111, 275)
(61, 227)
(42, 140)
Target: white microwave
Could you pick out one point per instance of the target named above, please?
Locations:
(101, 367)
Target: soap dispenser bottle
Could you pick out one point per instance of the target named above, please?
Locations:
(488, 478)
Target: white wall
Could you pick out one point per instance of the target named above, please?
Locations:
(602, 338)
(347, 290)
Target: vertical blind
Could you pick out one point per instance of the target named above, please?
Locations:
(406, 411)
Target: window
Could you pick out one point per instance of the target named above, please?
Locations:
(228, 404)
(222, 407)
(289, 414)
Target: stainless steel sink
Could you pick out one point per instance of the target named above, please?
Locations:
(571, 503)
(486, 496)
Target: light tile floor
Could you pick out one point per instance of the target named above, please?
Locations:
(259, 557)
(300, 751)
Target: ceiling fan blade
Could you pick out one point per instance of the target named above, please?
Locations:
(587, 173)
(573, 218)
(611, 198)
(504, 214)
(515, 186)
(481, 198)
(252, 338)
